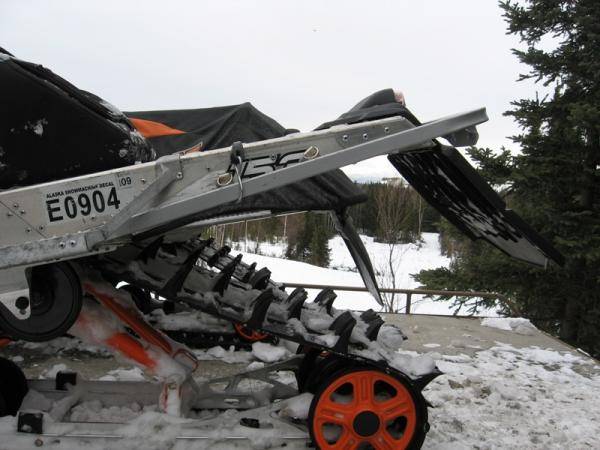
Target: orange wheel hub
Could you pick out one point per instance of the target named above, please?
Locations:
(248, 334)
(364, 407)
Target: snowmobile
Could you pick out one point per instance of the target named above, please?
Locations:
(92, 198)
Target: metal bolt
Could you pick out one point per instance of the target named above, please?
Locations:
(386, 129)
(62, 245)
(345, 138)
(72, 243)
(365, 137)
(224, 179)
(179, 175)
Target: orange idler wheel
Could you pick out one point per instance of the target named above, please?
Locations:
(367, 408)
(249, 335)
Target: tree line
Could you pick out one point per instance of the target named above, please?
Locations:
(393, 213)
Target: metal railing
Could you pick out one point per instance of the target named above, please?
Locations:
(410, 292)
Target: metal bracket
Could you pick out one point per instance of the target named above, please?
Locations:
(14, 292)
(169, 168)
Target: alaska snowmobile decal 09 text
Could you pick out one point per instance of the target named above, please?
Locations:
(90, 200)
(254, 167)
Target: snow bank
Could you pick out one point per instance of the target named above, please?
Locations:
(506, 397)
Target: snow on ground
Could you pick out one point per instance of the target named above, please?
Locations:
(500, 397)
(504, 397)
(408, 259)
(516, 324)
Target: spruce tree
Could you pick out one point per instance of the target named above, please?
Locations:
(554, 181)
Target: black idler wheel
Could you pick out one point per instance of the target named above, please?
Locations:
(56, 300)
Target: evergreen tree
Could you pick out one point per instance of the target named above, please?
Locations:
(312, 242)
(554, 183)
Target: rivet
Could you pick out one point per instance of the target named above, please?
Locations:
(15, 205)
(179, 175)
(28, 230)
(311, 152)
(143, 180)
(365, 137)
(62, 245)
(345, 138)
(386, 129)
(9, 214)
(72, 243)
(22, 212)
(41, 227)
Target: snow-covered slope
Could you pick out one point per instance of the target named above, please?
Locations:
(408, 259)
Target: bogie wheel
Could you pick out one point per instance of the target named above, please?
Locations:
(248, 334)
(13, 387)
(55, 303)
(365, 408)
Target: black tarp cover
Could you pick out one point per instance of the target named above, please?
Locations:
(206, 129)
(50, 130)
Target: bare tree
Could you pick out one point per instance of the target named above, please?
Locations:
(398, 211)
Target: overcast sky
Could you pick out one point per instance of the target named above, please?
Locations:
(301, 62)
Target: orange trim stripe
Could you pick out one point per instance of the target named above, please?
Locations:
(150, 129)
(129, 346)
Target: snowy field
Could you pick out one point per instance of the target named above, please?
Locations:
(408, 259)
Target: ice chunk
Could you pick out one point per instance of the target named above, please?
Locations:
(518, 325)
(269, 353)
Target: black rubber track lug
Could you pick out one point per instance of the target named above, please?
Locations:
(369, 315)
(260, 279)
(223, 251)
(225, 276)
(325, 299)
(174, 284)
(260, 306)
(293, 304)
(342, 326)
(373, 328)
(249, 272)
